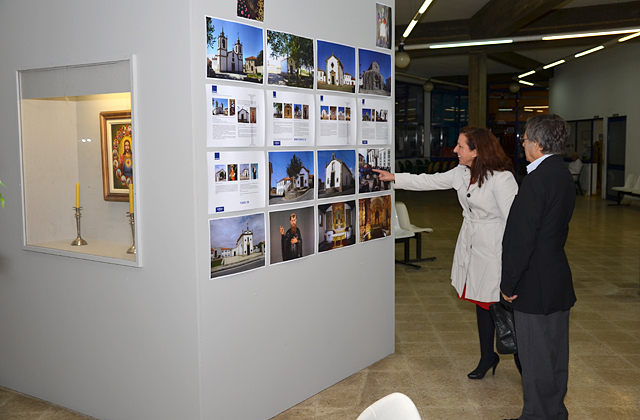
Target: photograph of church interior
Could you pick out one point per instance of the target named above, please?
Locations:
(374, 217)
(91, 332)
(336, 225)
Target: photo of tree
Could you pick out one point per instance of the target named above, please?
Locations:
(289, 60)
(291, 177)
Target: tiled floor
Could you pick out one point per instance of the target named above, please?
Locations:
(436, 338)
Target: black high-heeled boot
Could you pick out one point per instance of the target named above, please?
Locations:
(488, 358)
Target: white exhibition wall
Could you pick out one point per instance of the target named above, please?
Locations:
(163, 341)
(602, 84)
(273, 337)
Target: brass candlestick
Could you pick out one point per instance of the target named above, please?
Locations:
(78, 241)
(132, 249)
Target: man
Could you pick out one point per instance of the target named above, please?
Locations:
(536, 278)
(292, 240)
(576, 164)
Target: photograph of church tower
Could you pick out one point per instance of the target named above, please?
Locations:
(336, 170)
(375, 73)
(234, 51)
(336, 67)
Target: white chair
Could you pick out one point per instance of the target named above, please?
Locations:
(394, 406)
(630, 184)
(403, 236)
(405, 223)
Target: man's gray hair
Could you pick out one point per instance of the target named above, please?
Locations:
(549, 131)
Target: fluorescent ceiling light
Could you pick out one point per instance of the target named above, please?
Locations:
(505, 109)
(424, 6)
(526, 74)
(626, 38)
(409, 28)
(556, 63)
(589, 51)
(583, 35)
(536, 106)
(472, 44)
(524, 82)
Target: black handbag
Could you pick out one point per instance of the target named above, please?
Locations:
(505, 328)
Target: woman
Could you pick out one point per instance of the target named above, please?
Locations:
(486, 188)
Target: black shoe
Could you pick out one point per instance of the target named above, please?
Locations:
(479, 372)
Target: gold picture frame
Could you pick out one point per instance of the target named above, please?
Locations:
(117, 156)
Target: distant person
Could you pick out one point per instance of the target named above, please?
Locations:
(291, 240)
(486, 187)
(576, 165)
(536, 277)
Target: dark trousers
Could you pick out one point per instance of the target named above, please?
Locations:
(543, 348)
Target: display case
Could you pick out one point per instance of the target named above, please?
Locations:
(79, 161)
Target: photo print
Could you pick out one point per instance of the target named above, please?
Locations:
(233, 115)
(374, 218)
(237, 244)
(291, 177)
(290, 123)
(369, 159)
(336, 169)
(291, 234)
(289, 60)
(383, 26)
(251, 9)
(336, 67)
(235, 181)
(375, 73)
(242, 59)
(375, 127)
(336, 225)
(338, 131)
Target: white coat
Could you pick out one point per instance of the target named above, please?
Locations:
(477, 261)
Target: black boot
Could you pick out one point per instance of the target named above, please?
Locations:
(488, 358)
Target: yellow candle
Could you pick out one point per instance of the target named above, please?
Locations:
(130, 198)
(77, 194)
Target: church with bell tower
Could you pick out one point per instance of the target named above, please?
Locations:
(227, 61)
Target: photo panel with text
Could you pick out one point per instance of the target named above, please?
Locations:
(236, 181)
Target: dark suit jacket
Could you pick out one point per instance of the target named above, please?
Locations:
(534, 264)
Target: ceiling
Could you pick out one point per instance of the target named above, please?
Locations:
(526, 21)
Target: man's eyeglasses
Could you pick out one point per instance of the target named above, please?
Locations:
(523, 139)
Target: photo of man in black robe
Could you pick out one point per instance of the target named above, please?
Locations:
(291, 240)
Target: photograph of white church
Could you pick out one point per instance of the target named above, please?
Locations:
(336, 67)
(229, 44)
(336, 169)
(237, 244)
